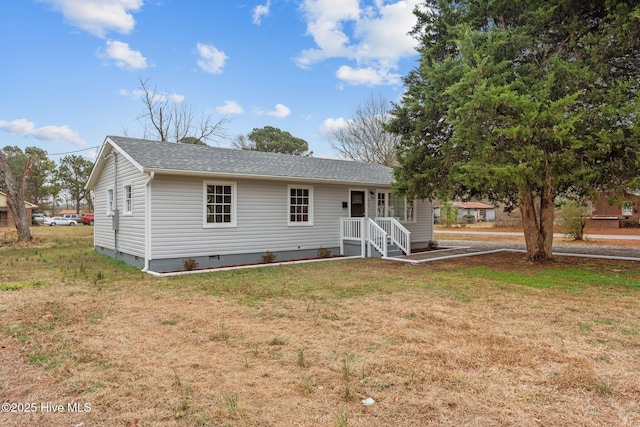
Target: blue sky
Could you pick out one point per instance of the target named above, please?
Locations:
(71, 68)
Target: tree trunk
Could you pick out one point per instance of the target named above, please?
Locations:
(538, 229)
(16, 198)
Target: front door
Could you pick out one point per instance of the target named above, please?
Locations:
(357, 204)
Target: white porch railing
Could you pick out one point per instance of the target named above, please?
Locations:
(398, 233)
(376, 233)
(353, 230)
(377, 237)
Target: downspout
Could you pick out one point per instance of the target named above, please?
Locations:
(147, 222)
(116, 217)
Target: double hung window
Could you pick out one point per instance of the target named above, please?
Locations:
(300, 205)
(128, 200)
(220, 204)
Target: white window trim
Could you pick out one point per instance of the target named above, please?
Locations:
(124, 200)
(386, 202)
(387, 199)
(110, 201)
(295, 223)
(234, 205)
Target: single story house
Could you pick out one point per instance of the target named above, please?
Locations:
(6, 217)
(480, 211)
(158, 204)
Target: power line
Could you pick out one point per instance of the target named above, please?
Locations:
(76, 151)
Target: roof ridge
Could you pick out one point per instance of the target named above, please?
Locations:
(230, 149)
(208, 160)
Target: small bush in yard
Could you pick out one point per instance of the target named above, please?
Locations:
(324, 253)
(575, 217)
(268, 257)
(190, 264)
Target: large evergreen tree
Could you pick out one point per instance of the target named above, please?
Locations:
(40, 187)
(521, 101)
(273, 140)
(73, 174)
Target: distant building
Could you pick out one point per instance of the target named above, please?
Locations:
(626, 213)
(6, 217)
(481, 212)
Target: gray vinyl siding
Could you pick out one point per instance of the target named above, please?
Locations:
(102, 231)
(422, 229)
(132, 225)
(262, 219)
(131, 234)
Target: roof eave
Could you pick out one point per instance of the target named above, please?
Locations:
(108, 145)
(223, 175)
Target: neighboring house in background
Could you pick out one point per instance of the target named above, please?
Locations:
(480, 211)
(625, 213)
(6, 217)
(160, 203)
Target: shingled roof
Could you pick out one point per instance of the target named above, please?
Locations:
(174, 158)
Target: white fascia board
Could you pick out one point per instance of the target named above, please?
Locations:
(108, 146)
(205, 174)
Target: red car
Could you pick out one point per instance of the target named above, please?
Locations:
(87, 219)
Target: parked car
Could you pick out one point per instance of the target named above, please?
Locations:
(37, 219)
(58, 220)
(76, 217)
(87, 219)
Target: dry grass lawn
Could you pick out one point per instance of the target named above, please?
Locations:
(488, 340)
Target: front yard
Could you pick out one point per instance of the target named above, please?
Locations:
(490, 340)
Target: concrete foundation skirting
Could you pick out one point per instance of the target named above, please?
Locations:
(133, 260)
(218, 262)
(239, 267)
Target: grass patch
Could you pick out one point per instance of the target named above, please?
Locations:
(440, 342)
(558, 277)
(277, 341)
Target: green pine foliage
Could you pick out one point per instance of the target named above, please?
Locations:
(521, 101)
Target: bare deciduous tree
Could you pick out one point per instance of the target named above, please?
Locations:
(242, 142)
(168, 119)
(16, 198)
(364, 137)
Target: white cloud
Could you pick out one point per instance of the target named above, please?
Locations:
(325, 19)
(136, 94)
(47, 133)
(330, 125)
(370, 76)
(133, 94)
(124, 56)
(99, 16)
(229, 107)
(260, 11)
(377, 40)
(211, 59)
(280, 112)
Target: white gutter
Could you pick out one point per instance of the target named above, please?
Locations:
(229, 175)
(147, 221)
